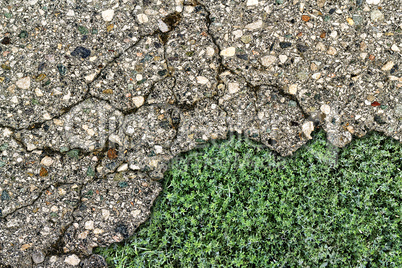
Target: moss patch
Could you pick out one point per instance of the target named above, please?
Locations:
(238, 204)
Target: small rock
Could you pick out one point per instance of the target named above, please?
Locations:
(283, 58)
(325, 108)
(307, 128)
(81, 52)
(202, 80)
(293, 89)
(228, 52)
(89, 225)
(38, 257)
(285, 44)
(268, 60)
(136, 212)
(138, 101)
(72, 260)
(350, 21)
(252, 2)
(115, 139)
(122, 168)
(107, 15)
(316, 76)
(370, 98)
(47, 161)
(246, 39)
(233, 88)
(331, 51)
(254, 25)
(395, 48)
(376, 15)
(163, 26)
(388, 66)
(373, 2)
(210, 51)
(142, 18)
(24, 83)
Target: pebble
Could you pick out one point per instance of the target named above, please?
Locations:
(395, 48)
(72, 260)
(24, 83)
(138, 101)
(228, 52)
(293, 89)
(107, 15)
(252, 2)
(331, 51)
(122, 168)
(373, 2)
(376, 15)
(246, 39)
(283, 58)
(233, 88)
(316, 76)
(163, 26)
(142, 18)
(81, 52)
(325, 108)
(38, 257)
(202, 80)
(47, 161)
(268, 60)
(307, 128)
(210, 51)
(255, 25)
(388, 66)
(89, 225)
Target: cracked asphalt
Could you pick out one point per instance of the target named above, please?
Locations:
(96, 97)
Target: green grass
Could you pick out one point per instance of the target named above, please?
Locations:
(237, 204)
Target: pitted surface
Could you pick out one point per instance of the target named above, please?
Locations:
(97, 97)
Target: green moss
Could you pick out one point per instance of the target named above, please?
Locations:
(237, 204)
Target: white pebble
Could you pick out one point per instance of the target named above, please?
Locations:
(233, 87)
(325, 108)
(307, 128)
(268, 60)
(283, 58)
(255, 25)
(395, 48)
(388, 66)
(373, 2)
(228, 52)
(163, 26)
(142, 18)
(293, 89)
(47, 161)
(24, 82)
(107, 15)
(376, 15)
(122, 168)
(89, 225)
(138, 101)
(202, 80)
(252, 2)
(72, 260)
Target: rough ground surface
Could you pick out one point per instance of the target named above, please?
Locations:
(97, 96)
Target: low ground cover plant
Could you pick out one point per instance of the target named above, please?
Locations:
(237, 204)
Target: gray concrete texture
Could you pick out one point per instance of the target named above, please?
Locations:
(97, 96)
